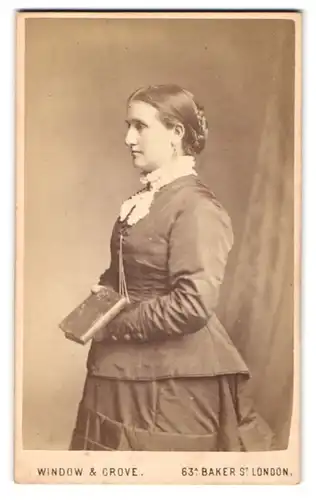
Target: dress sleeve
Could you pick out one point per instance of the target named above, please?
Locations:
(108, 277)
(199, 243)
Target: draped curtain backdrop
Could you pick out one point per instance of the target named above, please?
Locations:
(258, 307)
(78, 75)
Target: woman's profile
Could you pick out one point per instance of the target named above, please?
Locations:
(164, 375)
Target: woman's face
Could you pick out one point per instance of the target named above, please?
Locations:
(149, 140)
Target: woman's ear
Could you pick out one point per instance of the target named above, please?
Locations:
(178, 131)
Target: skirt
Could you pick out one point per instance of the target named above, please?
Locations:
(184, 414)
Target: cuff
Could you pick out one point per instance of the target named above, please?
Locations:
(124, 327)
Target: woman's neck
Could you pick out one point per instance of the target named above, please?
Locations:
(177, 167)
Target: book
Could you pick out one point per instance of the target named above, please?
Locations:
(95, 312)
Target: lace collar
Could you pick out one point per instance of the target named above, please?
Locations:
(138, 206)
(184, 165)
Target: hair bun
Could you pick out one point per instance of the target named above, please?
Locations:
(202, 121)
(200, 132)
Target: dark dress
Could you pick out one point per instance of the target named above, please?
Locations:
(172, 379)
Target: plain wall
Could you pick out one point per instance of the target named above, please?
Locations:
(79, 74)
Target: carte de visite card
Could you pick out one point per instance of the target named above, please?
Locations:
(158, 157)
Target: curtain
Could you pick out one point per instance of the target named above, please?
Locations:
(258, 310)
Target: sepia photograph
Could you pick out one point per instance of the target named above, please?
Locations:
(157, 247)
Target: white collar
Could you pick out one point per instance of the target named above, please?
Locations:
(183, 165)
(138, 206)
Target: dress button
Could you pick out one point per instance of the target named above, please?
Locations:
(127, 337)
(139, 336)
(113, 337)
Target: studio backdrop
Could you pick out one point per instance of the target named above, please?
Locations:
(78, 75)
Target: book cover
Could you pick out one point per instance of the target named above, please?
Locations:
(95, 312)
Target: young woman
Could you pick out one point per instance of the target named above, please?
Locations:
(164, 374)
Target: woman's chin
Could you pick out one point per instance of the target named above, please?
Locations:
(143, 166)
(139, 163)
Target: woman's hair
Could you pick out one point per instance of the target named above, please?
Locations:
(177, 105)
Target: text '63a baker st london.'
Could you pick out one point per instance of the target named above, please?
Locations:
(243, 471)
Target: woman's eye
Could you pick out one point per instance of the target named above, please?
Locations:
(139, 127)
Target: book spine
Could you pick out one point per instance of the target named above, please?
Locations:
(104, 320)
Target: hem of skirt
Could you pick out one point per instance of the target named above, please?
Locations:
(96, 432)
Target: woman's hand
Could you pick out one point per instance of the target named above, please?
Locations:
(101, 334)
(107, 333)
(97, 288)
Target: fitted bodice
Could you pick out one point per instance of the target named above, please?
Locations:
(174, 247)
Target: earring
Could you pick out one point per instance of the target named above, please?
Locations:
(174, 149)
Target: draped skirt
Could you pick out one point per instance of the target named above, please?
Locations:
(183, 414)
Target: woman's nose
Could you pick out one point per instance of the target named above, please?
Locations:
(131, 138)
